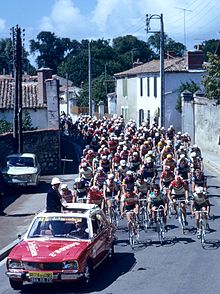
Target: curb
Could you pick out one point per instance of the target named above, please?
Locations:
(212, 166)
(5, 251)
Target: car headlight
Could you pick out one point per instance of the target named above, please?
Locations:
(70, 265)
(14, 264)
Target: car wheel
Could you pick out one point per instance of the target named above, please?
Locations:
(16, 285)
(111, 251)
(88, 274)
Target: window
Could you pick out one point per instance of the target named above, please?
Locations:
(148, 87)
(141, 116)
(141, 87)
(155, 87)
(124, 112)
(125, 87)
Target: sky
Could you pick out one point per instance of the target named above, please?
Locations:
(187, 21)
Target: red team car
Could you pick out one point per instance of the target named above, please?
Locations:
(62, 247)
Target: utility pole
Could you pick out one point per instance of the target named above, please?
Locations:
(90, 83)
(67, 93)
(162, 75)
(17, 67)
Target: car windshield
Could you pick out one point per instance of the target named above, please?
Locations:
(61, 227)
(20, 161)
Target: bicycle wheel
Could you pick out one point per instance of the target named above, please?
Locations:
(145, 219)
(131, 233)
(202, 238)
(159, 232)
(181, 220)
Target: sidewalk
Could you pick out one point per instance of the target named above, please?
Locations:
(212, 162)
(21, 212)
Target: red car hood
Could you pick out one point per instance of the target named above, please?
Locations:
(48, 250)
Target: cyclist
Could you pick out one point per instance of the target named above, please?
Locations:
(111, 189)
(122, 170)
(80, 189)
(85, 172)
(99, 178)
(141, 188)
(183, 167)
(155, 199)
(148, 170)
(95, 196)
(169, 161)
(167, 176)
(129, 202)
(199, 180)
(128, 182)
(196, 162)
(134, 161)
(200, 202)
(178, 190)
(67, 194)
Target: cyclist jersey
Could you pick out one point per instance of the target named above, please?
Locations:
(167, 177)
(134, 163)
(199, 181)
(122, 171)
(170, 162)
(86, 173)
(99, 179)
(129, 198)
(196, 164)
(94, 197)
(156, 200)
(142, 187)
(128, 183)
(199, 200)
(112, 146)
(105, 164)
(176, 189)
(111, 187)
(124, 154)
(68, 196)
(182, 166)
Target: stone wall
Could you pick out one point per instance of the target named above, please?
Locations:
(200, 117)
(44, 143)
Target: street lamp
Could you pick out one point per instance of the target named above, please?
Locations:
(162, 76)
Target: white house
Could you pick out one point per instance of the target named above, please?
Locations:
(138, 89)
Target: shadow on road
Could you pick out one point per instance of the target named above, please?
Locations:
(104, 276)
(211, 244)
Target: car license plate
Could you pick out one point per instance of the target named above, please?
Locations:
(42, 277)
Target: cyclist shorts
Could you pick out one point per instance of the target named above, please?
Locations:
(129, 207)
(198, 207)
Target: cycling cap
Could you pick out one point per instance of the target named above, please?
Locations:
(199, 190)
(123, 162)
(64, 186)
(193, 154)
(110, 176)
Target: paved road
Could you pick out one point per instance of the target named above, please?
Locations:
(180, 266)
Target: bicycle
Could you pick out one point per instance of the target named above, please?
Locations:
(133, 228)
(202, 225)
(181, 217)
(114, 213)
(143, 213)
(160, 224)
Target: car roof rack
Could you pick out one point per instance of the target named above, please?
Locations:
(79, 207)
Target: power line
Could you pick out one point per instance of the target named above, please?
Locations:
(184, 22)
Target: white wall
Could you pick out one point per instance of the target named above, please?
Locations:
(38, 117)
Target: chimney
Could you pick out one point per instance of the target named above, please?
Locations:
(42, 75)
(137, 63)
(170, 55)
(194, 59)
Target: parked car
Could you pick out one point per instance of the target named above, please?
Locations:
(62, 247)
(21, 169)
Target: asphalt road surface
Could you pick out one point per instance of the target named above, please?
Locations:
(181, 265)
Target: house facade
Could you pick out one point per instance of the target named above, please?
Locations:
(139, 92)
(40, 98)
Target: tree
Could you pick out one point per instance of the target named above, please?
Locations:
(51, 50)
(169, 45)
(209, 46)
(211, 81)
(190, 86)
(27, 122)
(5, 126)
(6, 58)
